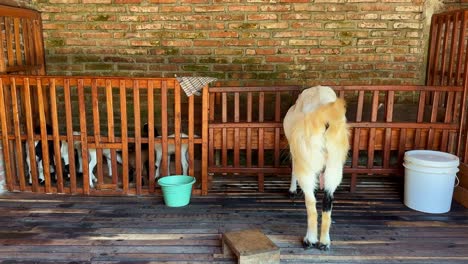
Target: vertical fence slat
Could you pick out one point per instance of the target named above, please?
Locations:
(435, 107)
(16, 23)
(224, 161)
(84, 137)
(451, 74)
(249, 130)
(356, 140)
(9, 41)
(212, 156)
(371, 140)
(97, 132)
(111, 131)
(55, 128)
(419, 118)
(443, 63)
(236, 130)
(137, 122)
(30, 134)
(261, 141)
(70, 139)
(164, 123)
(177, 128)
(388, 131)
(44, 137)
(449, 107)
(3, 67)
(277, 130)
(462, 53)
(151, 135)
(191, 134)
(5, 142)
(204, 167)
(124, 123)
(18, 142)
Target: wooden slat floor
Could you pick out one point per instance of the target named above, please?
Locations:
(371, 225)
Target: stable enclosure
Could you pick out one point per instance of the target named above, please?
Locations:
(231, 132)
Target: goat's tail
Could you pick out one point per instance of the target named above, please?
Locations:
(321, 135)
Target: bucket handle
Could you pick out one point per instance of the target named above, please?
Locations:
(458, 181)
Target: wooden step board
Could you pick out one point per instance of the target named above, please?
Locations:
(251, 247)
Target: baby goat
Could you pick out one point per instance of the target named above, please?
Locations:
(318, 138)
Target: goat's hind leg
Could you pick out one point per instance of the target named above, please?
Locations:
(310, 240)
(326, 221)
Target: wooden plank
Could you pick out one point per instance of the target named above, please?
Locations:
(191, 134)
(124, 118)
(84, 134)
(70, 140)
(164, 133)
(97, 132)
(56, 139)
(204, 158)
(388, 131)
(111, 130)
(261, 141)
(177, 128)
(151, 136)
(5, 142)
(30, 134)
(224, 154)
(236, 129)
(18, 142)
(137, 121)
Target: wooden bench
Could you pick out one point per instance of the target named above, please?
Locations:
(251, 247)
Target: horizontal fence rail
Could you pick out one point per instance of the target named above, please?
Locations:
(121, 122)
(246, 137)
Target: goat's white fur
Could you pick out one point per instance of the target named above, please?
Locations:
(92, 158)
(318, 138)
(171, 150)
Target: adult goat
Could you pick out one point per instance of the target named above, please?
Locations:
(318, 138)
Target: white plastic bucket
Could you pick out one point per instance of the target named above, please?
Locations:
(429, 180)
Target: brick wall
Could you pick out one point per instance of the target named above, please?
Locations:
(240, 42)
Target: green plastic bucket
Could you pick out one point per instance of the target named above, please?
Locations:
(176, 189)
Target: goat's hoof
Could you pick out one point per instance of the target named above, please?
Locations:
(323, 247)
(292, 195)
(308, 245)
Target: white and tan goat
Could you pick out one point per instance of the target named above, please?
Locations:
(318, 138)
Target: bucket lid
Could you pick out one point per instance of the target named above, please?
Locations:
(432, 158)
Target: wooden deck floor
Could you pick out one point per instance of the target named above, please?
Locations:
(370, 226)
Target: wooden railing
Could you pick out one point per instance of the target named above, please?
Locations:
(231, 130)
(246, 137)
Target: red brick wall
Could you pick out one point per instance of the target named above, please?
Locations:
(240, 42)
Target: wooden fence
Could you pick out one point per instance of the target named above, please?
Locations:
(79, 100)
(239, 133)
(246, 137)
